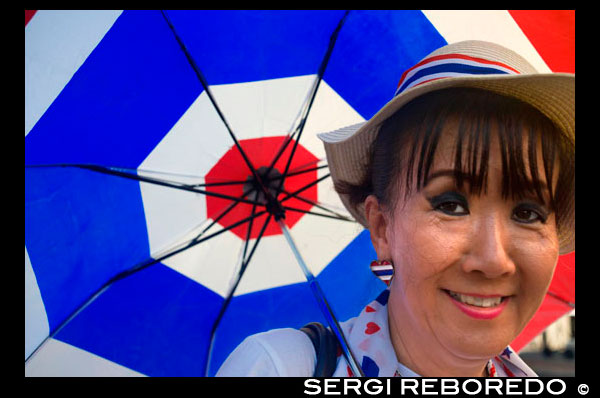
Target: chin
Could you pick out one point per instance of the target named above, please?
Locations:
(476, 345)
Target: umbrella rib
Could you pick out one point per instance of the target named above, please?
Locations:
(215, 184)
(556, 296)
(296, 192)
(196, 240)
(281, 149)
(313, 203)
(215, 221)
(143, 171)
(169, 184)
(206, 184)
(133, 270)
(131, 171)
(317, 214)
(224, 213)
(206, 88)
(156, 172)
(248, 232)
(225, 304)
(323, 303)
(295, 173)
(191, 244)
(321, 72)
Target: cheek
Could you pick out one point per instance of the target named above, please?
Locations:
(537, 268)
(422, 250)
(536, 255)
(430, 245)
(535, 278)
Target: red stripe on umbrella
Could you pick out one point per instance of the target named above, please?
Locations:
(28, 15)
(552, 33)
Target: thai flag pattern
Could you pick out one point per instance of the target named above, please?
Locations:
(449, 65)
(384, 270)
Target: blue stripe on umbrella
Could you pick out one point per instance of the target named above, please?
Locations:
(72, 235)
(156, 322)
(235, 46)
(372, 51)
(121, 102)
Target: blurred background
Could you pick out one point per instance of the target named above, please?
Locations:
(552, 353)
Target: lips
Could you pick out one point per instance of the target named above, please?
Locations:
(479, 306)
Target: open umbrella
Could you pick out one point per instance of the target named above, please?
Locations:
(177, 199)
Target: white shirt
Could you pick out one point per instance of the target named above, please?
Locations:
(268, 354)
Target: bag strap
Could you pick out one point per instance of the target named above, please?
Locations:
(326, 348)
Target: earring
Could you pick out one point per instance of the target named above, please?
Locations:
(384, 270)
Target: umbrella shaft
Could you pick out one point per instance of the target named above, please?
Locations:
(324, 305)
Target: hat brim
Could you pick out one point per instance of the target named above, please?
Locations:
(553, 94)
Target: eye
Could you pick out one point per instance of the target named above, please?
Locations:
(452, 208)
(529, 214)
(451, 203)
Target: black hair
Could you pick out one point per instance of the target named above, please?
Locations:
(409, 139)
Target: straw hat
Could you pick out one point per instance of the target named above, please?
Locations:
(475, 64)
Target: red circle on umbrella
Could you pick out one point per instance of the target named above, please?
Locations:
(234, 170)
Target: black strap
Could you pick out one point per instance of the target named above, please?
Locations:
(326, 348)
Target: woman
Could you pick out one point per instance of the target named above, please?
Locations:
(466, 183)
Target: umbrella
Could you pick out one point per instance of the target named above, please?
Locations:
(177, 199)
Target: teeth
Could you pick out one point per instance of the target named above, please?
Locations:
(476, 301)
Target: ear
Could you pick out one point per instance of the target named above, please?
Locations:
(378, 225)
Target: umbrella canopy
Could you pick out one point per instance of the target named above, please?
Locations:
(160, 146)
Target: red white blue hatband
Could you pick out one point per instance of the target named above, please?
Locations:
(450, 65)
(472, 63)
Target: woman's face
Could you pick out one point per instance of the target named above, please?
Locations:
(470, 270)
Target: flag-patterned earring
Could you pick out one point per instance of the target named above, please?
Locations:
(383, 269)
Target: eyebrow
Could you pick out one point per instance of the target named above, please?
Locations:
(446, 173)
(452, 173)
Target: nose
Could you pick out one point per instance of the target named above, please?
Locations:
(490, 248)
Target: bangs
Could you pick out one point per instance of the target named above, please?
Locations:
(405, 148)
(522, 132)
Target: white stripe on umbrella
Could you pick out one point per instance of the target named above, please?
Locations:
(59, 359)
(496, 26)
(36, 320)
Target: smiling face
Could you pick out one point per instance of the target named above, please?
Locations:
(471, 268)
